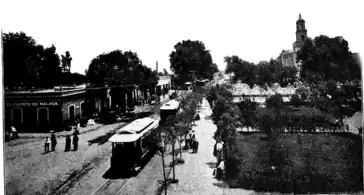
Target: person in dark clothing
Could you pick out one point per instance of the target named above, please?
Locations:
(53, 141)
(68, 143)
(75, 142)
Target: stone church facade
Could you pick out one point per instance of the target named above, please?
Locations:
(289, 57)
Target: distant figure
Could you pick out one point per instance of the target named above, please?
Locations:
(53, 141)
(75, 141)
(14, 133)
(46, 145)
(68, 143)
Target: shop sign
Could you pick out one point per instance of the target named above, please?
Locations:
(32, 104)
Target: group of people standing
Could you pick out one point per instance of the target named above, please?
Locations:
(191, 141)
(52, 141)
(220, 164)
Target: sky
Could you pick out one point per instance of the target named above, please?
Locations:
(253, 30)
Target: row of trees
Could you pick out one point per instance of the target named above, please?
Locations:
(28, 64)
(175, 130)
(190, 56)
(262, 74)
(31, 65)
(273, 120)
(328, 68)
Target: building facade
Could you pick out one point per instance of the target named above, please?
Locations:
(44, 110)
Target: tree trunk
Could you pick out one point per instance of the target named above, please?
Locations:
(164, 173)
(174, 174)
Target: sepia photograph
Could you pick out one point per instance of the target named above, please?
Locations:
(181, 97)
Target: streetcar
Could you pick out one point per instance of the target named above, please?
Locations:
(169, 109)
(132, 143)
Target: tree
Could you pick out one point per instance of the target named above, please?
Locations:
(117, 68)
(28, 64)
(331, 71)
(265, 73)
(191, 56)
(66, 62)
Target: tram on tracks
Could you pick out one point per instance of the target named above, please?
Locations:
(169, 110)
(132, 143)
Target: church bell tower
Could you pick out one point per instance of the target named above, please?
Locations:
(301, 34)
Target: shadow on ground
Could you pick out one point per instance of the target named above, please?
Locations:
(139, 115)
(220, 185)
(212, 165)
(120, 172)
(105, 138)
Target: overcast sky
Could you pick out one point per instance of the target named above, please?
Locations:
(253, 30)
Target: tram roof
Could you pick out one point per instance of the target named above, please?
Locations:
(171, 105)
(134, 130)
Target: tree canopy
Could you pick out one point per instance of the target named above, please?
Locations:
(192, 56)
(117, 68)
(263, 74)
(28, 64)
(333, 74)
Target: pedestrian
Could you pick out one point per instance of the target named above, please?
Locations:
(14, 133)
(68, 143)
(53, 141)
(75, 141)
(46, 145)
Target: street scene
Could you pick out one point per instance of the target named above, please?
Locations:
(200, 112)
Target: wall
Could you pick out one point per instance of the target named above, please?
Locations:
(75, 100)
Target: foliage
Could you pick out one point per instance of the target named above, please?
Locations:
(333, 74)
(31, 65)
(116, 68)
(191, 56)
(263, 74)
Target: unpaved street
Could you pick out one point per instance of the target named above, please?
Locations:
(29, 171)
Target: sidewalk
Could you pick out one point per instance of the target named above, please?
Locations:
(195, 176)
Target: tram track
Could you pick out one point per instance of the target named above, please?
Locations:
(111, 187)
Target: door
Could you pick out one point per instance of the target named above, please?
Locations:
(71, 113)
(43, 119)
(17, 119)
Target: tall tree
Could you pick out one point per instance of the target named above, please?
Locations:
(116, 68)
(191, 56)
(333, 73)
(28, 64)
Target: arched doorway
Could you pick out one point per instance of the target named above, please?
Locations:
(71, 112)
(43, 119)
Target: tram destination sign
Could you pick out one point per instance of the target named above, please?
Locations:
(32, 104)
